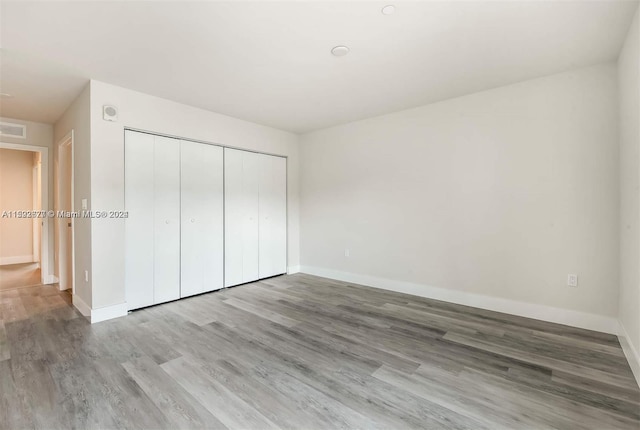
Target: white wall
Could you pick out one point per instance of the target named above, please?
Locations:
(629, 91)
(16, 194)
(142, 111)
(501, 193)
(38, 134)
(77, 118)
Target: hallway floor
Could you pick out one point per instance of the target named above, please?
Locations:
(19, 275)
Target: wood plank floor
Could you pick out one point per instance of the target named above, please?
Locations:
(19, 275)
(302, 352)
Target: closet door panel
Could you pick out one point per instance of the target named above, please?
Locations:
(273, 216)
(201, 237)
(251, 210)
(234, 217)
(166, 165)
(280, 215)
(139, 226)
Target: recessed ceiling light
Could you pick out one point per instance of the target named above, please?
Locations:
(388, 9)
(340, 51)
(6, 95)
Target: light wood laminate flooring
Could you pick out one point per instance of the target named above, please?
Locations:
(302, 352)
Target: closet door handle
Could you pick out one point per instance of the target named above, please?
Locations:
(166, 222)
(193, 220)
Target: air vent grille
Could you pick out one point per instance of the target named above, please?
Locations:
(13, 130)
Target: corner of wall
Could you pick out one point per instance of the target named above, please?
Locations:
(77, 118)
(630, 352)
(629, 184)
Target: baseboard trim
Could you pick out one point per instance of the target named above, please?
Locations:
(630, 352)
(293, 269)
(109, 312)
(51, 279)
(529, 310)
(80, 305)
(18, 259)
(100, 314)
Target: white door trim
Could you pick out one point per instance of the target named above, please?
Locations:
(66, 141)
(36, 225)
(46, 276)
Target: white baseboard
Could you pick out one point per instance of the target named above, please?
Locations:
(293, 269)
(109, 312)
(18, 259)
(568, 317)
(630, 352)
(84, 308)
(100, 314)
(51, 279)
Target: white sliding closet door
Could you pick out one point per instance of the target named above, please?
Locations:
(251, 233)
(273, 216)
(166, 226)
(242, 175)
(200, 217)
(152, 229)
(201, 194)
(233, 217)
(139, 227)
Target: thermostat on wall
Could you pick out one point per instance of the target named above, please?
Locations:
(109, 113)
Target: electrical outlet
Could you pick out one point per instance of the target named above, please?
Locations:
(572, 280)
(347, 253)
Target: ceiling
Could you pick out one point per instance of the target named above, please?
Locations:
(270, 62)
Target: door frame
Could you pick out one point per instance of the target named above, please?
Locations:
(37, 197)
(46, 277)
(66, 143)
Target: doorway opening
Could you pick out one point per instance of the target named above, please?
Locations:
(23, 221)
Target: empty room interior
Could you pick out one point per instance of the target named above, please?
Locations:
(319, 215)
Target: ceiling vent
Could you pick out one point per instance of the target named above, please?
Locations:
(13, 130)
